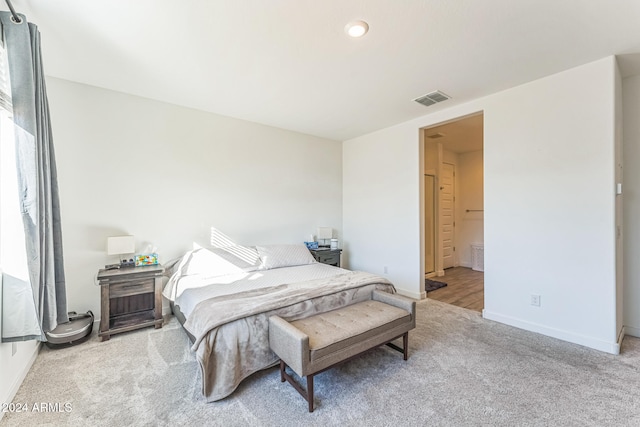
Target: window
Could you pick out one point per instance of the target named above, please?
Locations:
(13, 259)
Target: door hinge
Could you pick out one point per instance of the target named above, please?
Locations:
(454, 249)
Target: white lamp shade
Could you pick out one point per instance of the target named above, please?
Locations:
(325, 233)
(121, 245)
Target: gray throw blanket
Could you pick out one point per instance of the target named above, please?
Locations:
(232, 331)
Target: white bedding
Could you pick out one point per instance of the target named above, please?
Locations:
(227, 295)
(187, 291)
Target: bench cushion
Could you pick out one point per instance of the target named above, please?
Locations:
(334, 330)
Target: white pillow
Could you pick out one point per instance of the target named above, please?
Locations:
(204, 264)
(275, 256)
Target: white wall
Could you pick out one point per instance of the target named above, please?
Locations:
(631, 191)
(167, 174)
(548, 197)
(381, 207)
(619, 205)
(549, 179)
(469, 184)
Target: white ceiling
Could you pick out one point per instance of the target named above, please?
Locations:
(289, 64)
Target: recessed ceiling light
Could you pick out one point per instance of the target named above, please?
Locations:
(357, 28)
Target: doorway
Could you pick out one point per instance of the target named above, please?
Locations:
(454, 210)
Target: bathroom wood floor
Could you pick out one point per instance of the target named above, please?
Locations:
(465, 288)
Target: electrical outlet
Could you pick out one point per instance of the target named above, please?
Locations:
(535, 300)
(386, 270)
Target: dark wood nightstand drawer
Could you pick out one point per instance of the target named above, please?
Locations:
(126, 289)
(327, 256)
(331, 258)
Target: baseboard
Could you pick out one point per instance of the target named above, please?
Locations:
(621, 337)
(13, 390)
(465, 264)
(414, 295)
(607, 347)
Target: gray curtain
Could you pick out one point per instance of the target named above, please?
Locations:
(37, 177)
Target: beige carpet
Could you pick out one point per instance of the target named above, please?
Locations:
(462, 371)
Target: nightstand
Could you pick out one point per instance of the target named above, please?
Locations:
(130, 298)
(327, 256)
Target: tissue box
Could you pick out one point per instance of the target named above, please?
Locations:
(311, 245)
(146, 259)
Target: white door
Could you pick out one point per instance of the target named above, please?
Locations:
(447, 224)
(429, 224)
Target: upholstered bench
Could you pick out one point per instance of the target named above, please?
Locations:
(312, 345)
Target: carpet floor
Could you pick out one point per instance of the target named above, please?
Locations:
(462, 370)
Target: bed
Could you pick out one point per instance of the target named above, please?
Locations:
(224, 297)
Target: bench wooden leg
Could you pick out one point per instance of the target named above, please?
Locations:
(306, 394)
(405, 344)
(310, 392)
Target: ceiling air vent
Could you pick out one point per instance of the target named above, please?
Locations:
(432, 98)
